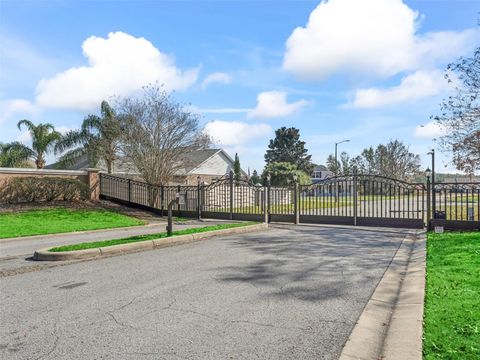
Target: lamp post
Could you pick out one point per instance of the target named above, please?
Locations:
(434, 202)
(336, 162)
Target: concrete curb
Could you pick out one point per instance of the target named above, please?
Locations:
(391, 324)
(46, 255)
(81, 232)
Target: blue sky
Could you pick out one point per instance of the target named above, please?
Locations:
(368, 71)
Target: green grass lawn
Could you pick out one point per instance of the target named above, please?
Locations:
(452, 303)
(132, 239)
(51, 221)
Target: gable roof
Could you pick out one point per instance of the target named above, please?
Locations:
(193, 160)
(320, 168)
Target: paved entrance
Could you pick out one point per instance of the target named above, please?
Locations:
(286, 293)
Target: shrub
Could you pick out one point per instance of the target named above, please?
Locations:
(38, 189)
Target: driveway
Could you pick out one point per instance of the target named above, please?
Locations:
(285, 293)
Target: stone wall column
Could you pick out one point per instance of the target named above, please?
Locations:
(94, 184)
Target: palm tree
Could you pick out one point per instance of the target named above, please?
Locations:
(44, 138)
(98, 138)
(15, 154)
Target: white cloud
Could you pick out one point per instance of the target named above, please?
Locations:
(231, 133)
(430, 130)
(16, 107)
(420, 84)
(64, 129)
(369, 36)
(217, 77)
(117, 65)
(273, 104)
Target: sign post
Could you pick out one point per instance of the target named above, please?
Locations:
(179, 200)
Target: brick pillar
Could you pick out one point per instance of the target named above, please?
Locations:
(94, 184)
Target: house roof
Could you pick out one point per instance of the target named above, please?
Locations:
(196, 158)
(320, 168)
(192, 161)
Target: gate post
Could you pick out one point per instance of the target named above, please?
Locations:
(267, 199)
(129, 190)
(265, 204)
(162, 199)
(355, 197)
(295, 202)
(199, 199)
(429, 215)
(179, 189)
(231, 195)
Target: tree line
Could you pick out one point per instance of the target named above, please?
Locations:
(154, 132)
(287, 159)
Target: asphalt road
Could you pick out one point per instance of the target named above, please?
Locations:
(284, 293)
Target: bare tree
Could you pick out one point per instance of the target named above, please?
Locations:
(158, 134)
(460, 117)
(392, 160)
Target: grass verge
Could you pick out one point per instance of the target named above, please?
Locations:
(132, 239)
(452, 305)
(52, 221)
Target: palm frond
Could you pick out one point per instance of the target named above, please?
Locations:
(15, 154)
(71, 157)
(28, 124)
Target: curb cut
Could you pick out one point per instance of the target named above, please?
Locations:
(46, 255)
(391, 324)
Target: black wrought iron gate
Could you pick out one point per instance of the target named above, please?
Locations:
(366, 200)
(363, 200)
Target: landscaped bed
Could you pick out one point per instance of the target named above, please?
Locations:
(452, 303)
(139, 238)
(60, 220)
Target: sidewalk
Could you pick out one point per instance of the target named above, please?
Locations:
(390, 326)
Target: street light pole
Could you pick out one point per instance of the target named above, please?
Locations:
(336, 161)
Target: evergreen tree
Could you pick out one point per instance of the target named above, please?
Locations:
(255, 179)
(287, 147)
(283, 174)
(237, 170)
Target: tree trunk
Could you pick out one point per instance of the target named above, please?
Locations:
(40, 162)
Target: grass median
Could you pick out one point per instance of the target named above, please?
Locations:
(60, 220)
(138, 238)
(452, 305)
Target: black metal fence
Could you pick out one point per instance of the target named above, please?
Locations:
(350, 200)
(455, 206)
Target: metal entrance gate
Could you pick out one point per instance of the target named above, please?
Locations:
(366, 200)
(363, 200)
